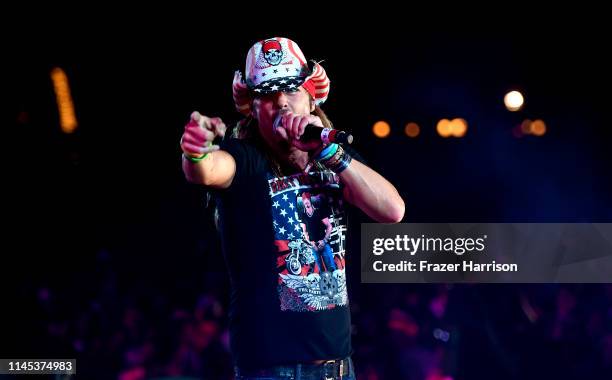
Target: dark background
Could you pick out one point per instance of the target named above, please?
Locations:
(111, 257)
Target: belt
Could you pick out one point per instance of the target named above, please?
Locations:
(330, 369)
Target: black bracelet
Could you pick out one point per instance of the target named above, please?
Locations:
(338, 162)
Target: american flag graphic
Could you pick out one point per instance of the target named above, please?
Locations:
(301, 287)
(286, 219)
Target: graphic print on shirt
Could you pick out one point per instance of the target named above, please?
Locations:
(310, 229)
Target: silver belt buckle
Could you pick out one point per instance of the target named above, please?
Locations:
(325, 366)
(341, 369)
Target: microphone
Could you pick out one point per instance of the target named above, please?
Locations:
(325, 135)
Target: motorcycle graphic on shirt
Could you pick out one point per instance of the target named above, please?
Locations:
(310, 227)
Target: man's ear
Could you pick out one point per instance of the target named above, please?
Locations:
(312, 105)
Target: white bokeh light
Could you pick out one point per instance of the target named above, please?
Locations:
(514, 100)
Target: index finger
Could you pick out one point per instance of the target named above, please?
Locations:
(201, 120)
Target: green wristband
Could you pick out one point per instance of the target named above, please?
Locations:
(195, 159)
(198, 159)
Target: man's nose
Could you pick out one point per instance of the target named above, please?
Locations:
(281, 100)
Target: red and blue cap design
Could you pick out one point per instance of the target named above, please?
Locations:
(278, 64)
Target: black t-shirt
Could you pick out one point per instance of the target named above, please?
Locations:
(281, 310)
